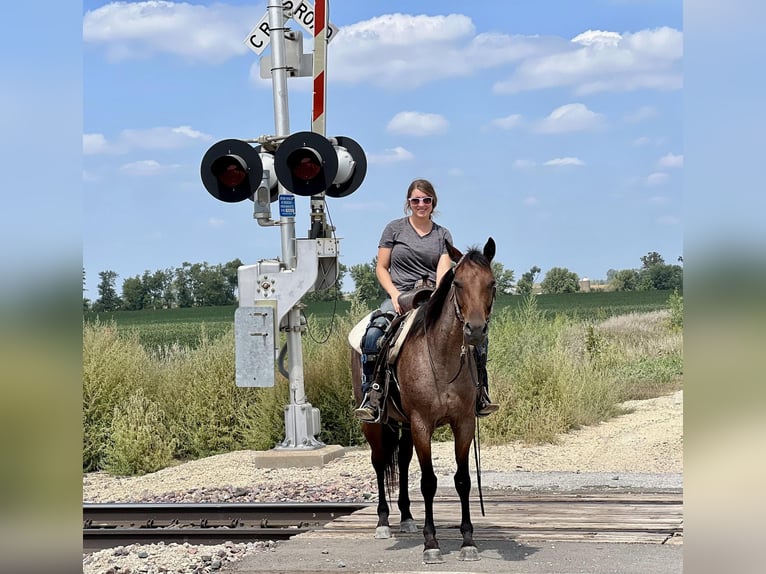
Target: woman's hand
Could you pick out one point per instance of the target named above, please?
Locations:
(395, 301)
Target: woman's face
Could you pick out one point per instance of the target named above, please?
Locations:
(421, 204)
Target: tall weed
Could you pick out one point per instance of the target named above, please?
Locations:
(548, 373)
(140, 441)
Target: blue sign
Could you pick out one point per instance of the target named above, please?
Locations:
(287, 206)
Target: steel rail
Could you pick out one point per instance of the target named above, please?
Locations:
(111, 525)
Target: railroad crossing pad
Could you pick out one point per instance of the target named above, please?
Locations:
(287, 458)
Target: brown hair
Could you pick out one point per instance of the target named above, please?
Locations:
(426, 187)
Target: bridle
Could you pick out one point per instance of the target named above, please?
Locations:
(461, 319)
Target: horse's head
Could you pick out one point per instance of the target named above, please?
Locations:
(474, 290)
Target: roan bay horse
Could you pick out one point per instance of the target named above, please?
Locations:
(438, 386)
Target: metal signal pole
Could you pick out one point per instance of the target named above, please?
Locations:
(299, 412)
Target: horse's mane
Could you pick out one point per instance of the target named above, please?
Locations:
(428, 313)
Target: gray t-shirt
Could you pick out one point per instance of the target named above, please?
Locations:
(412, 256)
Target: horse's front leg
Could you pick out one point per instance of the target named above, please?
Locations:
(468, 550)
(422, 441)
(407, 523)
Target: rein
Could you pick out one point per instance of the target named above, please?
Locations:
(463, 349)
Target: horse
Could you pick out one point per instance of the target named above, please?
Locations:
(437, 386)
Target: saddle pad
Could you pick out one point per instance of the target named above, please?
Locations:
(401, 336)
(356, 334)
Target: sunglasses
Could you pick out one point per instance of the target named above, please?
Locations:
(423, 200)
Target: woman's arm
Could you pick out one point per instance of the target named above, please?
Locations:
(384, 276)
(444, 265)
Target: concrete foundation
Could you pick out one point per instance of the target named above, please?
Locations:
(286, 458)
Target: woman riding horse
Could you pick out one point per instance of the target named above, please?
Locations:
(437, 386)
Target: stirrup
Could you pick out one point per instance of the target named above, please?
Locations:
(366, 412)
(486, 409)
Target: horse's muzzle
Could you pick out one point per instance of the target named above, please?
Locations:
(475, 334)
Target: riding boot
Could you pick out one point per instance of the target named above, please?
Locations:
(484, 406)
(368, 409)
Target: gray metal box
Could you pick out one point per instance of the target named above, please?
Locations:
(255, 346)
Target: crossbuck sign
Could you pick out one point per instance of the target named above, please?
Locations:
(302, 11)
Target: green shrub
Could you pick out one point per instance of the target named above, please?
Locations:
(550, 372)
(114, 366)
(676, 304)
(140, 441)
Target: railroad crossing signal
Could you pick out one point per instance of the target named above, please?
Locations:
(232, 170)
(307, 163)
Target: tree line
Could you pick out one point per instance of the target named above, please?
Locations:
(203, 284)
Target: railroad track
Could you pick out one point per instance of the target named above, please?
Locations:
(111, 525)
(652, 518)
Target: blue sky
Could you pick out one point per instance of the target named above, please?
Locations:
(553, 126)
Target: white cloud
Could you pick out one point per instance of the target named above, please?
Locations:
(401, 51)
(570, 118)
(507, 122)
(129, 30)
(93, 143)
(670, 160)
(146, 167)
(455, 172)
(523, 164)
(657, 178)
(394, 155)
(564, 162)
(417, 124)
(659, 200)
(215, 222)
(531, 201)
(599, 61)
(641, 114)
(642, 141)
(159, 138)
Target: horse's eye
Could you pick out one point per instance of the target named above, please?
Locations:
(457, 284)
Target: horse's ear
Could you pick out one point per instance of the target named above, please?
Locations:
(489, 249)
(454, 252)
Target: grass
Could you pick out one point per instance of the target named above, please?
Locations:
(151, 400)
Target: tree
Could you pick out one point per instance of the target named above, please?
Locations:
(108, 300)
(527, 281)
(133, 294)
(560, 280)
(367, 289)
(182, 286)
(651, 259)
(503, 278)
(624, 280)
(85, 300)
(661, 278)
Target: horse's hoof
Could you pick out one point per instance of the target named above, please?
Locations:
(469, 554)
(408, 526)
(383, 532)
(433, 556)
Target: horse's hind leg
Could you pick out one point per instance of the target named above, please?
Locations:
(379, 458)
(407, 523)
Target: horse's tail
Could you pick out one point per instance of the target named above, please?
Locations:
(391, 437)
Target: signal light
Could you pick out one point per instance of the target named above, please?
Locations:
(232, 170)
(307, 163)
